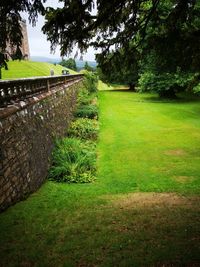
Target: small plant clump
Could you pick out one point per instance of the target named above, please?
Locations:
(87, 98)
(84, 128)
(84, 98)
(87, 111)
(73, 161)
(90, 81)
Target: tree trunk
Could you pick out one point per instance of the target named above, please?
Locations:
(132, 87)
(0, 74)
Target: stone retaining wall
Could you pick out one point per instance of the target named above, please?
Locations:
(27, 132)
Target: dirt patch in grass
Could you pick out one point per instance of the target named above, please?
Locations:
(184, 179)
(175, 152)
(139, 200)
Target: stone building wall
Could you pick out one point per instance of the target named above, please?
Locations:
(25, 44)
(26, 141)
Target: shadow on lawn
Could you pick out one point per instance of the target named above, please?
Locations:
(142, 229)
(154, 98)
(179, 100)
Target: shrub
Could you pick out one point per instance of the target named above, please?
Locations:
(146, 82)
(90, 81)
(197, 88)
(84, 128)
(164, 83)
(87, 111)
(86, 98)
(195, 84)
(83, 97)
(73, 161)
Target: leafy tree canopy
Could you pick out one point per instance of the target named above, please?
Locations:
(69, 63)
(166, 55)
(98, 23)
(101, 23)
(121, 66)
(106, 24)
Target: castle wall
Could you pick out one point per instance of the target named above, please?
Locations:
(25, 44)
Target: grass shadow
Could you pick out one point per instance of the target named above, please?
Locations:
(163, 227)
(181, 98)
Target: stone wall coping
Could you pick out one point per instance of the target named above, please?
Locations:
(40, 78)
(23, 104)
(12, 91)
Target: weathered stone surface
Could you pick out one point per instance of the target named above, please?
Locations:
(26, 142)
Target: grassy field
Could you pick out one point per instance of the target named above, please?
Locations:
(23, 69)
(144, 208)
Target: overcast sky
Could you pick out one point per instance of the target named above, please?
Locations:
(39, 46)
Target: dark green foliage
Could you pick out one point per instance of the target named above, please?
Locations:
(166, 84)
(99, 23)
(73, 161)
(69, 63)
(120, 66)
(166, 55)
(195, 83)
(84, 128)
(87, 111)
(170, 51)
(172, 36)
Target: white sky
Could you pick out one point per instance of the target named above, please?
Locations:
(38, 44)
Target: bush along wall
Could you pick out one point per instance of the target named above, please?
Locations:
(74, 156)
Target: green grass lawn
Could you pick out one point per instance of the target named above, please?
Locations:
(143, 210)
(25, 69)
(104, 87)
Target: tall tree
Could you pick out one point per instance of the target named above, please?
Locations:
(171, 47)
(120, 66)
(169, 50)
(69, 63)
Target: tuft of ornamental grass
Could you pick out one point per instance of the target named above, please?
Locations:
(73, 161)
